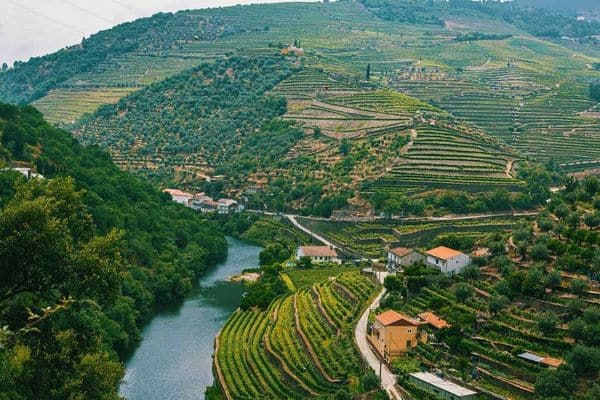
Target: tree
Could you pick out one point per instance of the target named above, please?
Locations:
(547, 323)
(4, 66)
(578, 286)
(393, 283)
(463, 292)
(585, 360)
(554, 278)
(368, 73)
(592, 220)
(345, 147)
(595, 91)
(304, 262)
(497, 303)
(539, 252)
(471, 273)
(557, 383)
(370, 381)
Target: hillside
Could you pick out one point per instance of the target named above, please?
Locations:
(460, 96)
(85, 256)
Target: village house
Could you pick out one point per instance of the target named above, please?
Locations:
(393, 334)
(179, 196)
(441, 388)
(208, 206)
(318, 254)
(226, 206)
(448, 261)
(298, 51)
(400, 257)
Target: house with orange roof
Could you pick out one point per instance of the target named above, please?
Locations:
(392, 334)
(433, 320)
(400, 257)
(447, 260)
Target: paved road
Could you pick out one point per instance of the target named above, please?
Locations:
(320, 238)
(388, 379)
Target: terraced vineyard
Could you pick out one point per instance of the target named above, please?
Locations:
(300, 347)
(369, 239)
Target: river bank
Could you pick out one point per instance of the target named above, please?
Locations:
(174, 360)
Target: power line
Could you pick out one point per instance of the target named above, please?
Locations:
(89, 12)
(35, 12)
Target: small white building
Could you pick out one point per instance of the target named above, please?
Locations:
(26, 172)
(318, 254)
(226, 206)
(179, 196)
(447, 260)
(400, 257)
(441, 388)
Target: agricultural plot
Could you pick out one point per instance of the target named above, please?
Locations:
(300, 347)
(65, 106)
(369, 239)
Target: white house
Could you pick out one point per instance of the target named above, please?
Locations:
(26, 172)
(226, 206)
(318, 254)
(399, 257)
(447, 260)
(179, 196)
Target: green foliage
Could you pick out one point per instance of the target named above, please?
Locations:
(89, 251)
(261, 293)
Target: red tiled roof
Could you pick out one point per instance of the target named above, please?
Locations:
(552, 362)
(443, 253)
(401, 251)
(434, 320)
(318, 251)
(390, 317)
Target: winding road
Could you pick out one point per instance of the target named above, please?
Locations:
(388, 379)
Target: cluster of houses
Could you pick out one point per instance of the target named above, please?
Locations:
(445, 259)
(205, 204)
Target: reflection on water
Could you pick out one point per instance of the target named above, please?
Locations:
(174, 362)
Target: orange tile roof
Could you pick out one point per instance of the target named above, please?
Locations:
(552, 362)
(401, 251)
(177, 192)
(434, 320)
(318, 251)
(443, 253)
(391, 317)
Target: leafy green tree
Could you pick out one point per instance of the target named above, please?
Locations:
(368, 73)
(547, 323)
(393, 283)
(497, 303)
(557, 383)
(463, 292)
(578, 286)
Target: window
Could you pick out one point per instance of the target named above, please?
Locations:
(408, 343)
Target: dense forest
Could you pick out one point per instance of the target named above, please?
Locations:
(85, 256)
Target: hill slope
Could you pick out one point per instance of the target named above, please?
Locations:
(85, 255)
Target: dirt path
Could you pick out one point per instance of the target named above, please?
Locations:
(509, 165)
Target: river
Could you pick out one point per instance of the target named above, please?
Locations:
(174, 361)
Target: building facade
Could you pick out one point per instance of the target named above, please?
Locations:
(392, 334)
(400, 257)
(318, 254)
(447, 260)
(441, 388)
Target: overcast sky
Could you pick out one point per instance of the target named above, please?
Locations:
(35, 27)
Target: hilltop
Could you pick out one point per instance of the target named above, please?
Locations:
(459, 96)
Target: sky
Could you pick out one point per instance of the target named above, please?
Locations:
(31, 28)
